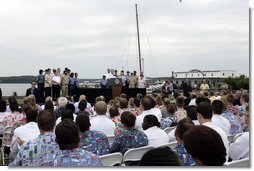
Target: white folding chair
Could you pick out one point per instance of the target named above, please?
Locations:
(230, 138)
(135, 154)
(239, 163)
(6, 141)
(172, 145)
(110, 139)
(237, 136)
(111, 159)
(169, 129)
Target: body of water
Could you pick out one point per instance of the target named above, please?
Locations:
(20, 89)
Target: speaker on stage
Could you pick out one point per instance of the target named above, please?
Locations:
(116, 85)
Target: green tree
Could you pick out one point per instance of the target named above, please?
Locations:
(237, 83)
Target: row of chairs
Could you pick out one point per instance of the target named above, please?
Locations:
(131, 155)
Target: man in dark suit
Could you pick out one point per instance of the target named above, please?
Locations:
(33, 90)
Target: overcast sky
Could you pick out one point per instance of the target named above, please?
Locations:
(88, 36)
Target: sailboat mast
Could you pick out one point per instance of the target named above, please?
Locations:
(139, 53)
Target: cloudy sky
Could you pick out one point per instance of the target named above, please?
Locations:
(88, 36)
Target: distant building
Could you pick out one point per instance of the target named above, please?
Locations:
(195, 77)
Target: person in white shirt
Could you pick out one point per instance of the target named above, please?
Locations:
(145, 106)
(3, 113)
(217, 119)
(101, 122)
(56, 87)
(26, 132)
(204, 116)
(155, 135)
(155, 111)
(240, 148)
(141, 81)
(88, 105)
(109, 74)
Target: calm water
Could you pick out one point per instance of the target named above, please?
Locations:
(8, 89)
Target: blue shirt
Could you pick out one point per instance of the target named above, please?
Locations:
(167, 122)
(35, 152)
(95, 142)
(185, 157)
(73, 158)
(235, 123)
(130, 138)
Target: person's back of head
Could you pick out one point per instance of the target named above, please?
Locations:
(31, 115)
(62, 101)
(123, 103)
(67, 135)
(146, 103)
(67, 114)
(83, 122)
(113, 111)
(183, 126)
(192, 112)
(150, 121)
(82, 105)
(205, 146)
(100, 108)
(140, 96)
(46, 121)
(2, 105)
(49, 106)
(180, 101)
(137, 102)
(171, 109)
(13, 104)
(230, 99)
(245, 97)
(123, 95)
(160, 157)
(217, 107)
(70, 107)
(205, 109)
(97, 99)
(211, 93)
(200, 98)
(128, 119)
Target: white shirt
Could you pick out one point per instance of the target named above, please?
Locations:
(222, 134)
(103, 124)
(156, 136)
(56, 79)
(60, 119)
(221, 122)
(26, 132)
(171, 135)
(240, 148)
(88, 106)
(193, 102)
(109, 75)
(157, 113)
(141, 82)
(140, 118)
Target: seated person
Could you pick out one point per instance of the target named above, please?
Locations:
(70, 155)
(160, 157)
(183, 126)
(42, 148)
(241, 147)
(93, 141)
(130, 138)
(205, 146)
(156, 136)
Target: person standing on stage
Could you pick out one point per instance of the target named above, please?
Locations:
(40, 83)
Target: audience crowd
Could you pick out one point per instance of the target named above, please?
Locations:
(62, 132)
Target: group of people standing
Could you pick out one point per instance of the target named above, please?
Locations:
(129, 80)
(51, 84)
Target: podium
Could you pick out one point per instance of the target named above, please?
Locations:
(116, 85)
